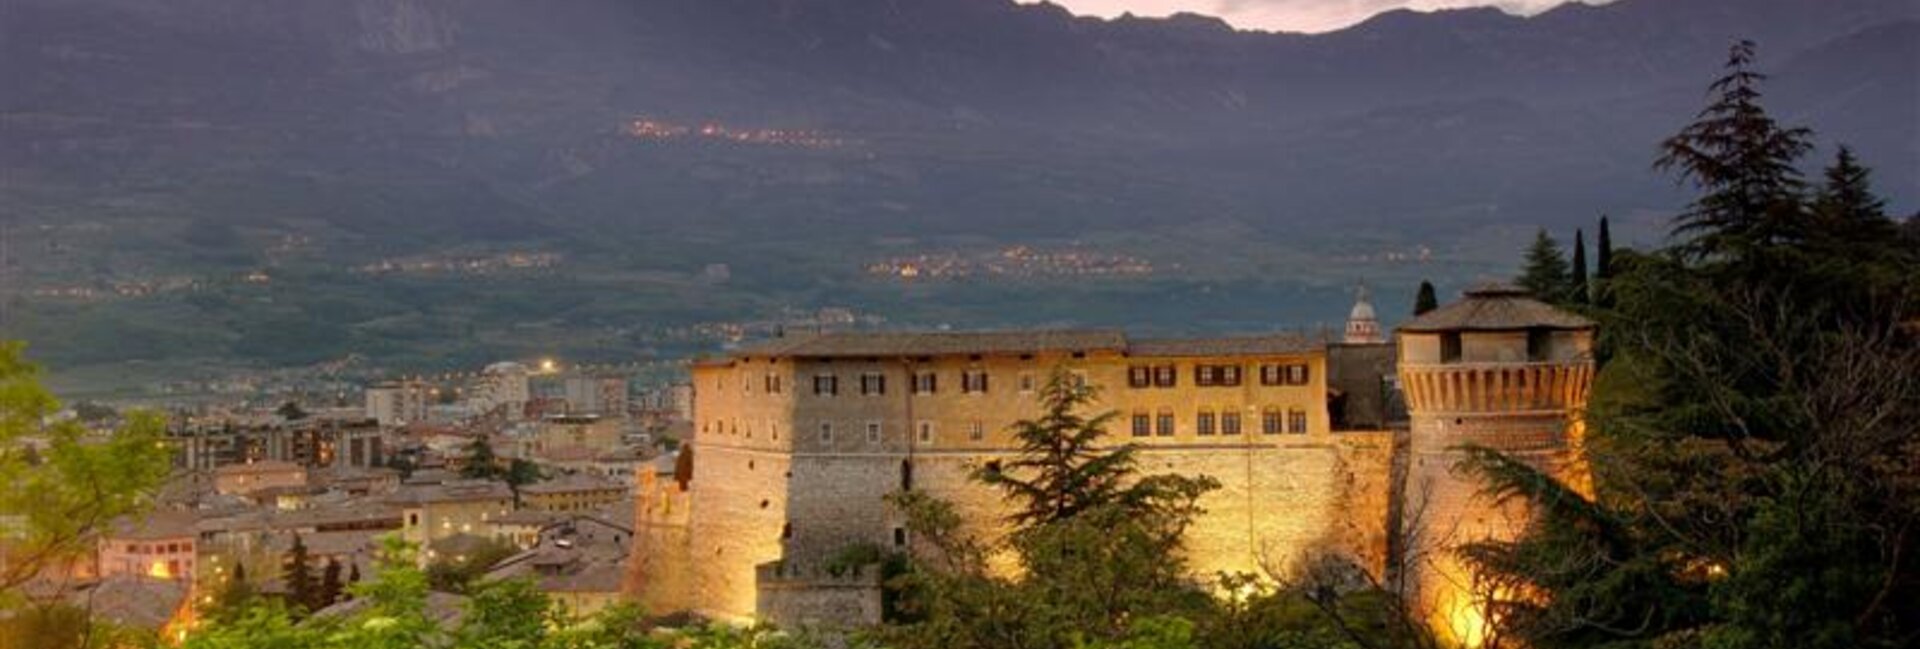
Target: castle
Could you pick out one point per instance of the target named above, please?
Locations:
(797, 440)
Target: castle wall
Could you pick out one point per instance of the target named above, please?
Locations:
(782, 474)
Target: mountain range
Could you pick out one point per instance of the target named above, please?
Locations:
(793, 141)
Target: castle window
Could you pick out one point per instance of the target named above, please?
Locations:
(1142, 424)
(826, 432)
(1216, 375)
(906, 475)
(1203, 424)
(1026, 382)
(826, 384)
(1165, 376)
(786, 531)
(1229, 422)
(1450, 347)
(873, 432)
(772, 383)
(872, 383)
(1163, 424)
(900, 537)
(1270, 422)
(1297, 421)
(1139, 376)
(976, 431)
(926, 383)
(926, 432)
(1539, 344)
(1271, 374)
(973, 381)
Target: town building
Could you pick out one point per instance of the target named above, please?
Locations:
(437, 511)
(574, 493)
(504, 388)
(245, 479)
(398, 403)
(596, 394)
(162, 545)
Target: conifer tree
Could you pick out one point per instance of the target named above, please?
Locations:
(1062, 471)
(1847, 212)
(1425, 300)
(1545, 273)
(1603, 251)
(1743, 161)
(481, 462)
(297, 572)
(330, 586)
(1578, 291)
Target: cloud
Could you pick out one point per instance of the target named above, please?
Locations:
(1291, 15)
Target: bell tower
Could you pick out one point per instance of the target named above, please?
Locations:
(1496, 369)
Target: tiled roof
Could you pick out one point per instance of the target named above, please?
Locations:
(894, 344)
(459, 491)
(164, 524)
(1496, 307)
(1274, 344)
(572, 483)
(253, 468)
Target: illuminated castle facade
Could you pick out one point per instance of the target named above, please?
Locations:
(798, 439)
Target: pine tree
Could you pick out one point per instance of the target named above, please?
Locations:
(1578, 291)
(1846, 210)
(1545, 273)
(1425, 300)
(1603, 251)
(235, 597)
(297, 572)
(481, 463)
(1743, 161)
(330, 586)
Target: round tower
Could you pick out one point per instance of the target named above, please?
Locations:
(1500, 370)
(1363, 327)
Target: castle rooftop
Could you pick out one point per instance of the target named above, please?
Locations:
(1496, 307)
(945, 343)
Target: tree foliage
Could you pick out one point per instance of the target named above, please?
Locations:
(62, 484)
(1755, 433)
(1425, 300)
(1545, 273)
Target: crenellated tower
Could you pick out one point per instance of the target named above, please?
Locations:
(1496, 369)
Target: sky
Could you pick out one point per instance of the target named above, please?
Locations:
(1291, 15)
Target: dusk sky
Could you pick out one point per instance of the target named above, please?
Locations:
(1292, 15)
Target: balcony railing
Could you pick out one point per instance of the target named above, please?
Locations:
(1496, 387)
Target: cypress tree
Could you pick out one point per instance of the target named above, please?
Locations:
(1578, 290)
(298, 575)
(1545, 273)
(330, 585)
(1426, 300)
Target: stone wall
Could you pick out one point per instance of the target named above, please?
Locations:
(795, 597)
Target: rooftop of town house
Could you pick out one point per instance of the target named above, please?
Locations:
(570, 483)
(456, 491)
(257, 468)
(1496, 307)
(156, 525)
